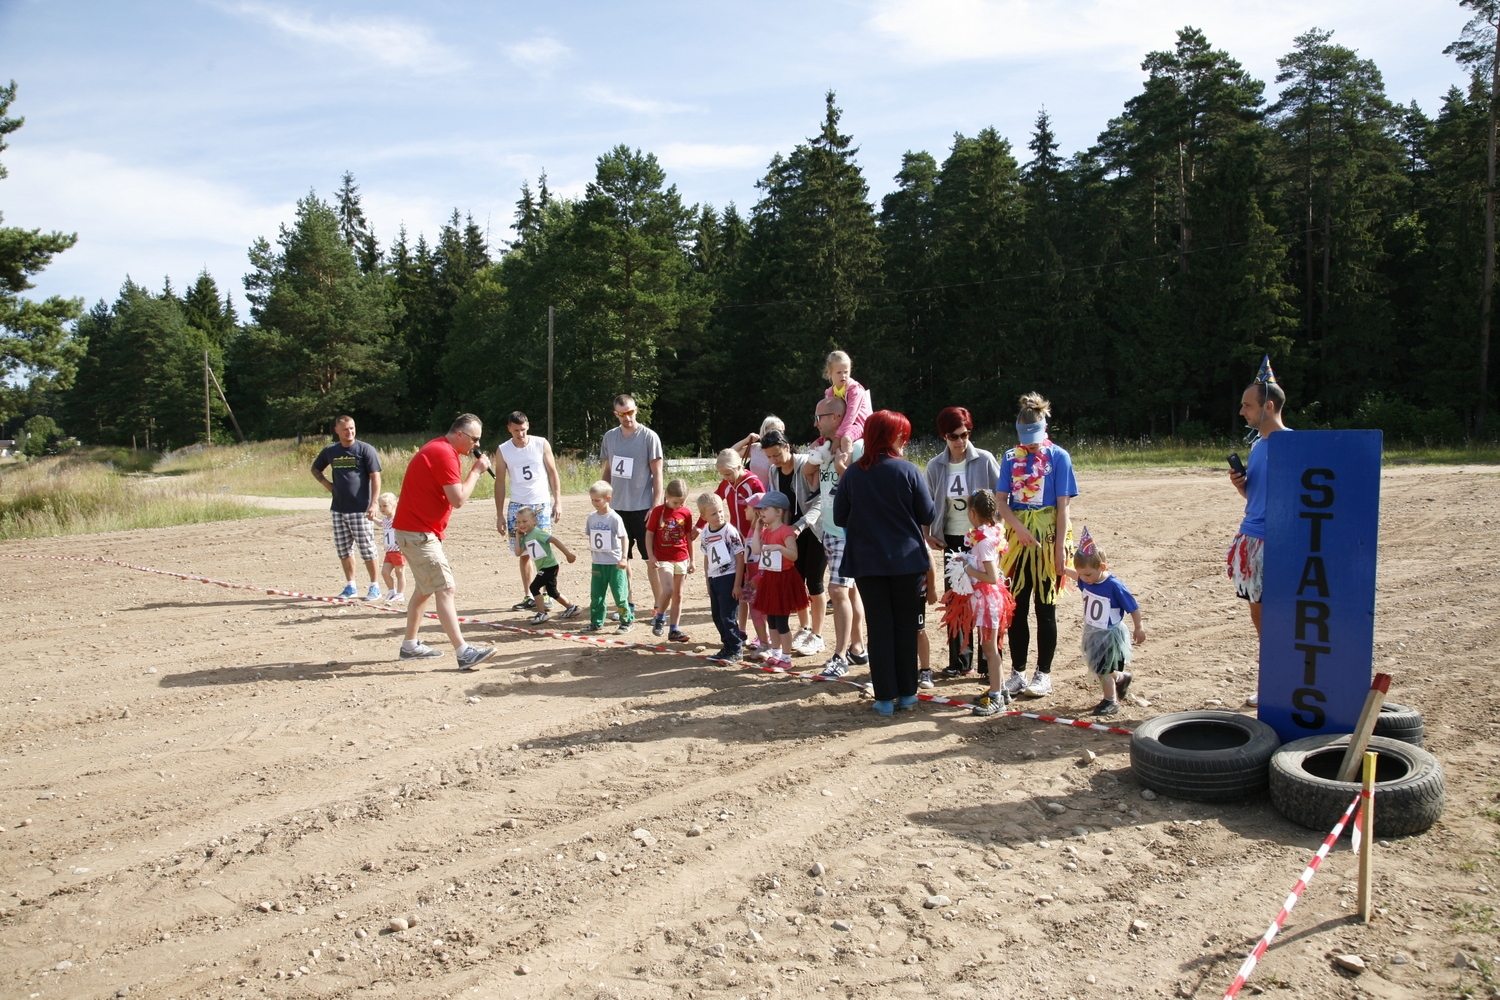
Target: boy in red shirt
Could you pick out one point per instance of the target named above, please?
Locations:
(669, 550)
(430, 492)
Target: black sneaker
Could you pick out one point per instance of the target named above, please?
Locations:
(989, 703)
(858, 659)
(658, 624)
(952, 672)
(1122, 685)
(525, 605)
(1106, 707)
(623, 628)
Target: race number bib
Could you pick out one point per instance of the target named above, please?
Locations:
(718, 556)
(621, 467)
(956, 486)
(770, 561)
(601, 540)
(525, 474)
(1095, 611)
(534, 549)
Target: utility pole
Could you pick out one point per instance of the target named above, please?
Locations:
(549, 373)
(208, 428)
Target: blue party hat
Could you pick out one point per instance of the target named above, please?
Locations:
(1265, 376)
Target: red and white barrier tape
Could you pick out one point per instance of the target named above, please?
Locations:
(568, 636)
(1291, 900)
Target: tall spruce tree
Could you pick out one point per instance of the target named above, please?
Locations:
(321, 343)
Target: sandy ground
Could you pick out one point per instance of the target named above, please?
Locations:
(175, 754)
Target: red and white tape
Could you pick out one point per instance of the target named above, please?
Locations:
(1291, 900)
(568, 636)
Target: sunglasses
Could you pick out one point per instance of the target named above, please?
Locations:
(957, 436)
(624, 413)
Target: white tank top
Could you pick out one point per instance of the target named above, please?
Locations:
(527, 471)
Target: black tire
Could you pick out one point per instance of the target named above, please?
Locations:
(1408, 785)
(1204, 756)
(1400, 722)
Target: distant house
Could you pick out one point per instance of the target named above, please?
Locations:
(7, 448)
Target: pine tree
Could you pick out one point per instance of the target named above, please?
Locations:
(354, 227)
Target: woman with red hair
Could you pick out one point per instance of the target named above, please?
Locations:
(883, 505)
(953, 476)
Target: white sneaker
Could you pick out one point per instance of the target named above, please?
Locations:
(1041, 684)
(395, 597)
(814, 645)
(800, 640)
(924, 679)
(1253, 701)
(1015, 683)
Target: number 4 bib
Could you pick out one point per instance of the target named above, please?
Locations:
(621, 467)
(957, 486)
(718, 555)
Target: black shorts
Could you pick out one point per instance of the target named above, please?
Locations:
(635, 530)
(812, 561)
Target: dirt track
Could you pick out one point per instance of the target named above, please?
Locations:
(183, 753)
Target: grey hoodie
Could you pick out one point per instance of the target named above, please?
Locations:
(980, 469)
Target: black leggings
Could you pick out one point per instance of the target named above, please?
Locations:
(1020, 633)
(780, 624)
(545, 578)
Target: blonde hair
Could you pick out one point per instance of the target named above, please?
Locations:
(601, 489)
(772, 423)
(835, 358)
(386, 502)
(710, 500)
(1091, 560)
(528, 511)
(729, 460)
(1034, 407)
(676, 488)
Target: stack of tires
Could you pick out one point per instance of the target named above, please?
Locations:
(1225, 756)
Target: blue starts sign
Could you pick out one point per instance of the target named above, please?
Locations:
(1318, 593)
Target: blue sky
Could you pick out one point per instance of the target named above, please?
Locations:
(168, 135)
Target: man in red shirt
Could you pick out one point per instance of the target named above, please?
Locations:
(430, 493)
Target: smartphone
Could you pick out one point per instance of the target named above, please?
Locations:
(1235, 464)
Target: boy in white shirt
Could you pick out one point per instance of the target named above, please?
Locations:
(724, 570)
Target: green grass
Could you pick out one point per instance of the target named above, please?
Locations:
(77, 494)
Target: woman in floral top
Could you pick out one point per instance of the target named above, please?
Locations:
(1039, 476)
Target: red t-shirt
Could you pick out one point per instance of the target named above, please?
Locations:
(423, 505)
(672, 528)
(735, 498)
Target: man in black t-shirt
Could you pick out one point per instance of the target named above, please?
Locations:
(355, 488)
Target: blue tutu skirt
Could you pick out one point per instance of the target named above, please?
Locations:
(1107, 650)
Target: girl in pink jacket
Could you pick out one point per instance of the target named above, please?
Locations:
(856, 399)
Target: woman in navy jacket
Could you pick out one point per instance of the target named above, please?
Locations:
(883, 505)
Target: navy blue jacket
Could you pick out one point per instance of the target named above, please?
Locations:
(882, 510)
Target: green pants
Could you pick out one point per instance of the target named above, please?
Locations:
(608, 577)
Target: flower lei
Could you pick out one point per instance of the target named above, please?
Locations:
(1027, 480)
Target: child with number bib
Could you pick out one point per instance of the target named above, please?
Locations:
(606, 534)
(1106, 602)
(537, 542)
(724, 571)
(780, 591)
(990, 601)
(669, 547)
(393, 569)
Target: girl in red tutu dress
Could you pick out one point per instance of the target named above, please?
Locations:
(780, 591)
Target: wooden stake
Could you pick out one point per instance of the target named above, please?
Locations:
(1367, 845)
(1366, 725)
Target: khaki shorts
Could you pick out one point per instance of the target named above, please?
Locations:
(680, 568)
(429, 565)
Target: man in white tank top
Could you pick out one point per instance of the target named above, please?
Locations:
(525, 465)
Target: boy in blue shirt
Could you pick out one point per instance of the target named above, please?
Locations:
(1106, 602)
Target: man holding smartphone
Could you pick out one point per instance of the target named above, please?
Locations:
(1261, 406)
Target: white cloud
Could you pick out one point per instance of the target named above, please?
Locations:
(538, 52)
(712, 156)
(141, 221)
(639, 105)
(1116, 33)
(386, 40)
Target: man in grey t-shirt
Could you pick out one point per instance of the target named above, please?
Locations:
(631, 455)
(355, 487)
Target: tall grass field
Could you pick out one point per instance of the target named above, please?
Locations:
(112, 489)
